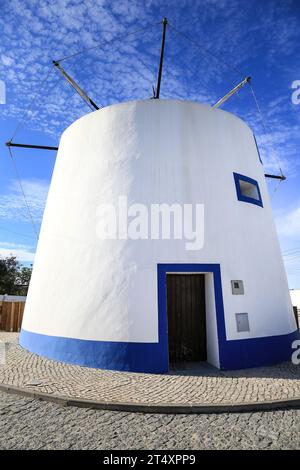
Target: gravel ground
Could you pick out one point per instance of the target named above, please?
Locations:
(27, 423)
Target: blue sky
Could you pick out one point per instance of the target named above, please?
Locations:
(245, 37)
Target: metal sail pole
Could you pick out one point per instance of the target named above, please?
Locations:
(30, 146)
(232, 92)
(75, 85)
(162, 51)
(276, 177)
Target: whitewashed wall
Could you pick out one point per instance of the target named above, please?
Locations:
(154, 151)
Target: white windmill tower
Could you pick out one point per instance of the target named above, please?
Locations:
(135, 303)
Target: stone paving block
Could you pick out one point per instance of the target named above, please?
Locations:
(205, 385)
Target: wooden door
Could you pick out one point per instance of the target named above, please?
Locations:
(186, 317)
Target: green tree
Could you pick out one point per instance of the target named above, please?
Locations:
(14, 278)
(22, 280)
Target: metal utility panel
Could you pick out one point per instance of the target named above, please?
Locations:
(242, 322)
(237, 287)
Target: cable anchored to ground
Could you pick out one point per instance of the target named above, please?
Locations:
(266, 130)
(21, 123)
(23, 193)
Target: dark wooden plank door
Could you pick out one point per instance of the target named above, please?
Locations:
(186, 317)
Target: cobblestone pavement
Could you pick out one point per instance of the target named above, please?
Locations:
(9, 337)
(27, 423)
(26, 370)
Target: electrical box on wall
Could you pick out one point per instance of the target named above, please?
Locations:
(242, 322)
(237, 287)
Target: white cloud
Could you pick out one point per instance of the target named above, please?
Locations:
(23, 253)
(121, 71)
(12, 204)
(36, 32)
(6, 60)
(288, 225)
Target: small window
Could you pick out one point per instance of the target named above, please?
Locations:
(242, 322)
(247, 189)
(237, 287)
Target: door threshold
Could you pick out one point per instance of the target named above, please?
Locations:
(192, 368)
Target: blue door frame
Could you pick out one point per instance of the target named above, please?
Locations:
(162, 271)
(233, 354)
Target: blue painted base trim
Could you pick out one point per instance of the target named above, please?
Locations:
(154, 357)
(255, 352)
(148, 357)
(134, 357)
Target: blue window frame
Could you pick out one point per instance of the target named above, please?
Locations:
(247, 189)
